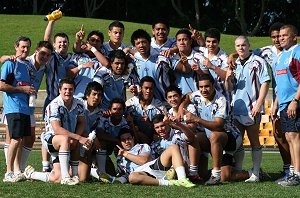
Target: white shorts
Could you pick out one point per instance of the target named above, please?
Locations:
(247, 120)
(47, 144)
(158, 174)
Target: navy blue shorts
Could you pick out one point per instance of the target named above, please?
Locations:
(18, 125)
(290, 124)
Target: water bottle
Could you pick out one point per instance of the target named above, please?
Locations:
(56, 14)
(91, 137)
(32, 100)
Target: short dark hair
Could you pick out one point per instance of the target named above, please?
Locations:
(66, 81)
(147, 79)
(22, 38)
(61, 34)
(120, 54)
(157, 118)
(45, 44)
(116, 24)
(173, 88)
(209, 77)
(124, 131)
(275, 27)
(292, 28)
(92, 86)
(116, 54)
(184, 31)
(139, 33)
(212, 33)
(118, 101)
(162, 21)
(97, 33)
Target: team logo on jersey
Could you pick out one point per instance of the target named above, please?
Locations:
(215, 107)
(106, 80)
(80, 109)
(282, 71)
(286, 61)
(22, 83)
(62, 112)
(106, 126)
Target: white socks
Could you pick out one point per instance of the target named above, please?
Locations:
(180, 171)
(5, 151)
(256, 159)
(216, 173)
(64, 157)
(24, 157)
(94, 173)
(163, 182)
(41, 176)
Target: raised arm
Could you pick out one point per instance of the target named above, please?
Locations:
(197, 36)
(185, 101)
(49, 31)
(220, 72)
(229, 80)
(189, 135)
(183, 65)
(78, 40)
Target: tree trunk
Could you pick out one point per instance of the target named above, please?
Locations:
(92, 6)
(178, 9)
(240, 15)
(261, 16)
(197, 15)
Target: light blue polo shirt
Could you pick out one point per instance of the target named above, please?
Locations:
(15, 74)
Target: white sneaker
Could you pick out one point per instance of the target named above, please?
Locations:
(28, 171)
(76, 178)
(9, 177)
(20, 177)
(253, 178)
(68, 181)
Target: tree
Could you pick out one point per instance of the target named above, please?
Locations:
(92, 6)
(240, 15)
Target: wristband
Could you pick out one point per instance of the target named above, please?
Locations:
(93, 49)
(296, 100)
(79, 67)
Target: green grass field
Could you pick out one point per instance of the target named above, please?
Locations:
(271, 164)
(33, 26)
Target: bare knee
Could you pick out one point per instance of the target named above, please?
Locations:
(134, 178)
(174, 148)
